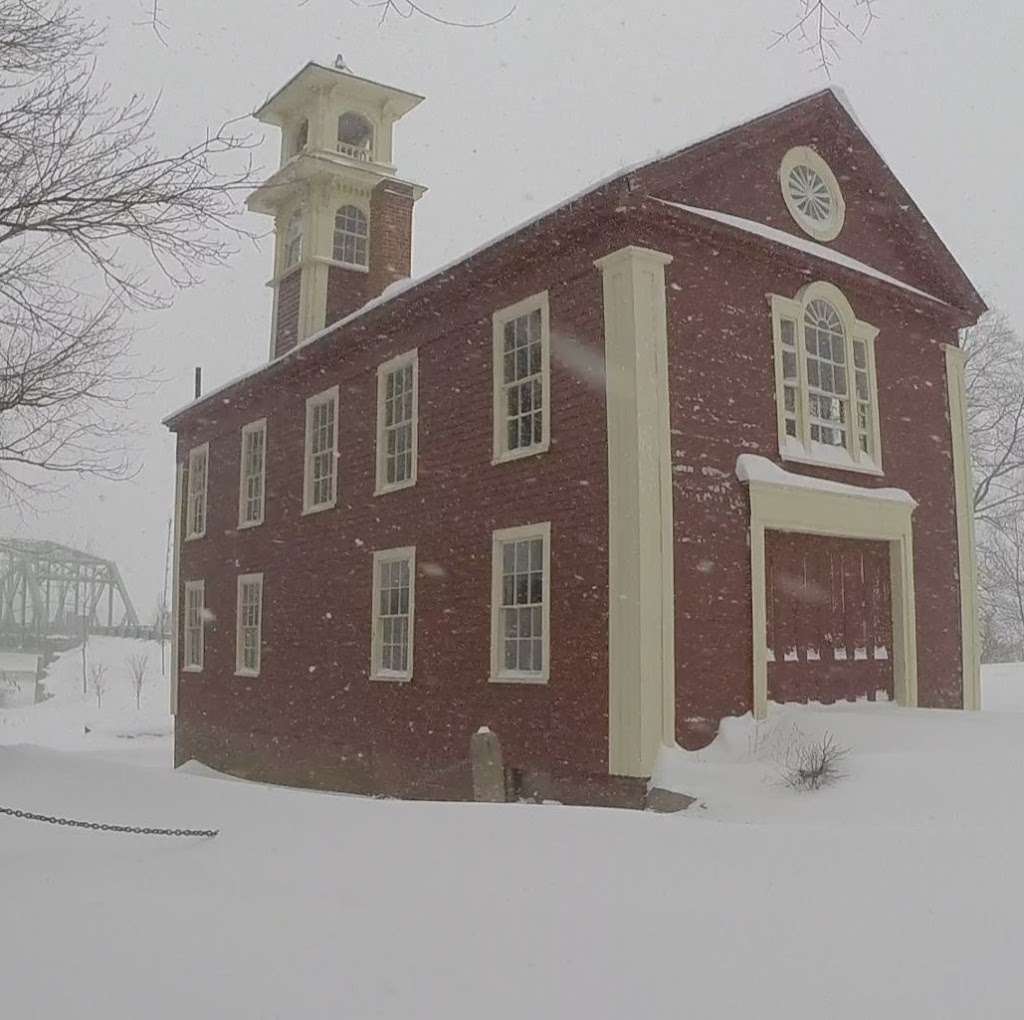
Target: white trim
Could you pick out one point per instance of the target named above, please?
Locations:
(641, 549)
(803, 155)
(408, 554)
(308, 507)
(240, 668)
(801, 449)
(175, 607)
(204, 450)
(322, 259)
(254, 426)
(780, 501)
(193, 667)
(501, 453)
(383, 370)
(966, 557)
(499, 539)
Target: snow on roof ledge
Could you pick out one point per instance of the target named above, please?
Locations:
(798, 244)
(752, 468)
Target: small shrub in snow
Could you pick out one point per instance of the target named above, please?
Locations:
(137, 674)
(810, 765)
(98, 681)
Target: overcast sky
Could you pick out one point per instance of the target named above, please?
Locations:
(522, 115)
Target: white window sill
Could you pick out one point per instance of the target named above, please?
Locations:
(242, 525)
(520, 454)
(319, 508)
(383, 490)
(392, 678)
(250, 673)
(191, 669)
(519, 678)
(197, 535)
(800, 455)
(354, 266)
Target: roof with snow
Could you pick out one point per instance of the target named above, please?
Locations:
(750, 227)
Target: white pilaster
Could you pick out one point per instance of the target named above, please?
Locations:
(641, 625)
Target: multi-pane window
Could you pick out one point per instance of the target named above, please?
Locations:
(396, 423)
(195, 611)
(351, 236)
(520, 628)
(293, 240)
(826, 388)
(320, 490)
(521, 379)
(253, 474)
(195, 502)
(394, 579)
(825, 340)
(249, 624)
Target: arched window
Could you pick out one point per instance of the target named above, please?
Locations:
(293, 240)
(355, 136)
(301, 137)
(826, 387)
(351, 236)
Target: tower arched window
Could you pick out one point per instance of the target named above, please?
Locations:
(351, 236)
(301, 137)
(293, 240)
(355, 136)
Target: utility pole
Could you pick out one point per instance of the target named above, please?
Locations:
(85, 638)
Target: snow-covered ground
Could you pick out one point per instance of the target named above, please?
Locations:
(72, 720)
(890, 894)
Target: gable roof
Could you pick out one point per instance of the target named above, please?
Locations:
(966, 294)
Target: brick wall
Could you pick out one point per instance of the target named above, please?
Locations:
(391, 208)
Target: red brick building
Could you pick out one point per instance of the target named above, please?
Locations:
(690, 442)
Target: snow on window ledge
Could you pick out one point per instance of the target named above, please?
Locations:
(760, 470)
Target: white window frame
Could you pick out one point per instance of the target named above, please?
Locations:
(801, 449)
(377, 672)
(382, 486)
(502, 453)
(191, 666)
(308, 506)
(193, 493)
(362, 266)
(243, 498)
(499, 539)
(240, 668)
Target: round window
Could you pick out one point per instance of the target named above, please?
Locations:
(812, 193)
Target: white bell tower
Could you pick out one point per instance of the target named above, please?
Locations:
(342, 217)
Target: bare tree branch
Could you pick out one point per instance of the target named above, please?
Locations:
(407, 9)
(818, 24)
(95, 220)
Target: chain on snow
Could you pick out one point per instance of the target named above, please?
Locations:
(104, 827)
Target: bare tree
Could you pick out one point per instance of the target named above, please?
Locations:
(94, 220)
(137, 671)
(98, 681)
(820, 25)
(410, 9)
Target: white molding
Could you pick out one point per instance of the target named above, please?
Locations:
(383, 370)
(641, 583)
(254, 426)
(806, 156)
(199, 586)
(407, 553)
(309, 507)
(777, 504)
(204, 449)
(240, 669)
(499, 539)
(175, 607)
(500, 453)
(966, 557)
